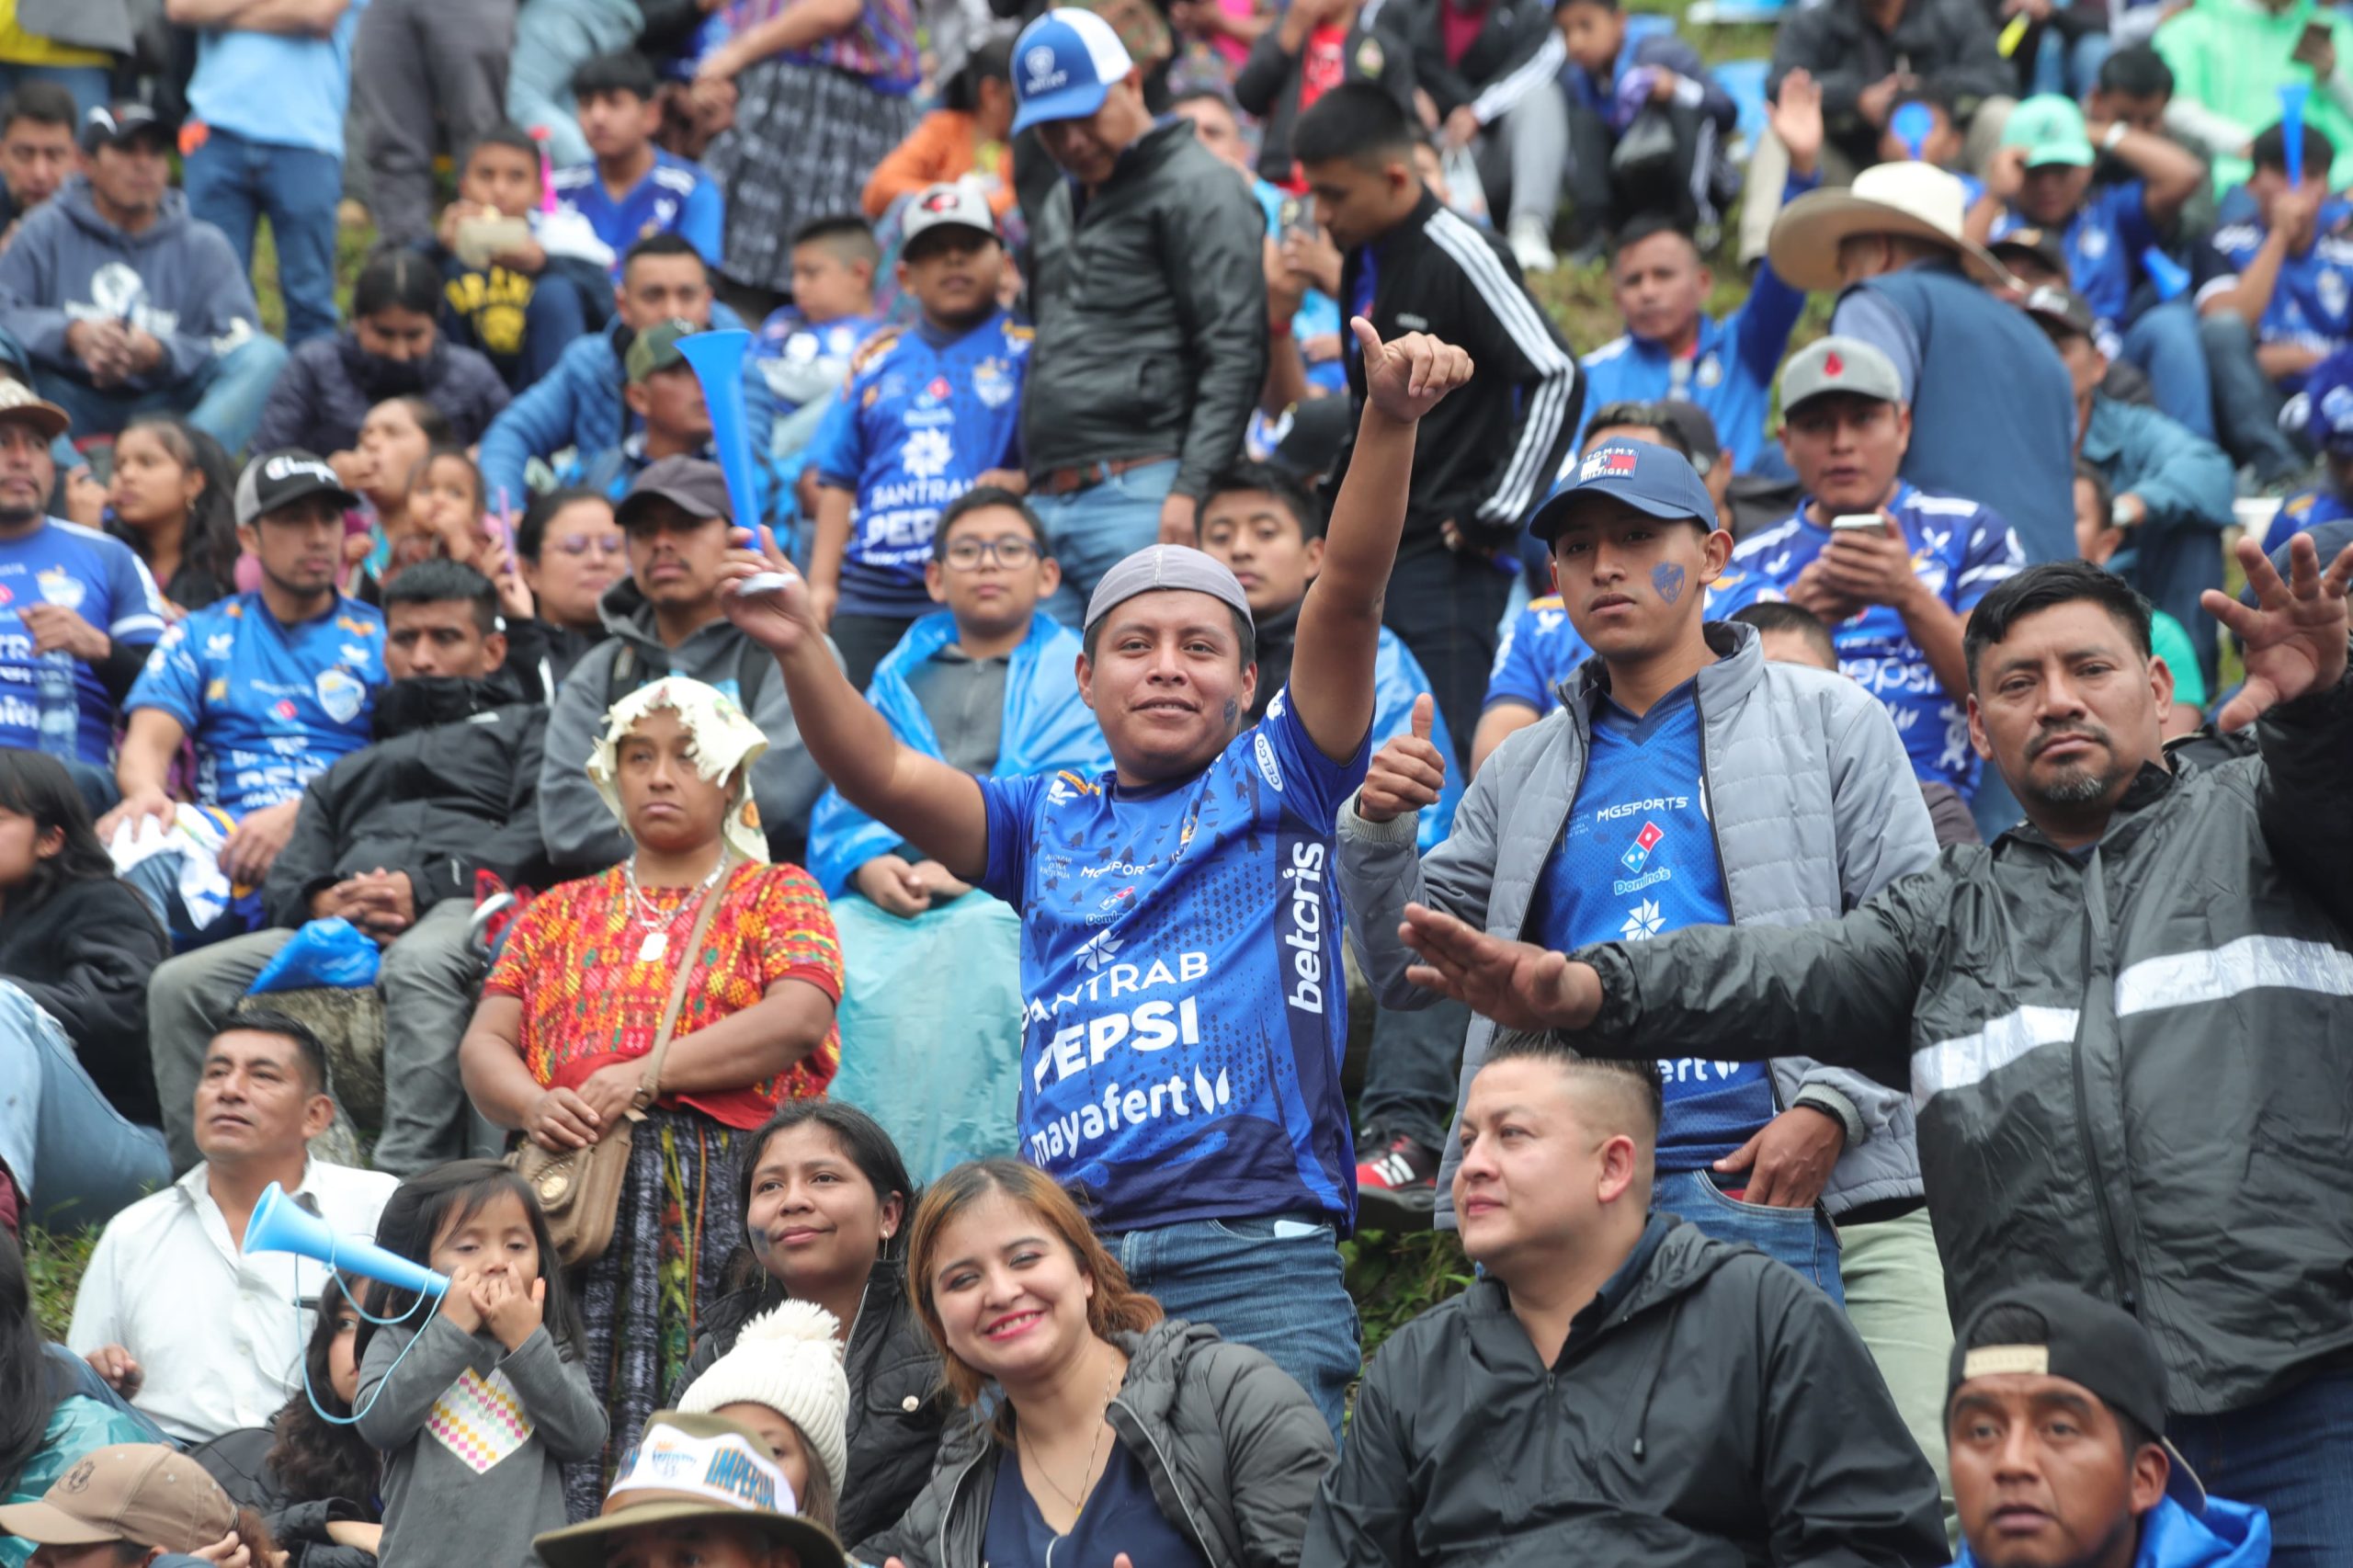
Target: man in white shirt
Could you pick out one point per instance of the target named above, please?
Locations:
(199, 1337)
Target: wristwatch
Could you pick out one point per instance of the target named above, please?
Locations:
(2116, 132)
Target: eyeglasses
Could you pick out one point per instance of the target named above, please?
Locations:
(1012, 554)
(581, 544)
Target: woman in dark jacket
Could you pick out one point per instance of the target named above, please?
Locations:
(1127, 1433)
(393, 349)
(77, 1102)
(825, 1198)
(170, 498)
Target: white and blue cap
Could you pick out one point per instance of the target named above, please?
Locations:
(2327, 403)
(1651, 478)
(1064, 64)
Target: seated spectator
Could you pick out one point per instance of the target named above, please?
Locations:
(665, 618)
(1648, 127)
(783, 1380)
(1660, 285)
(825, 1200)
(1894, 591)
(578, 405)
(804, 347)
(2056, 1407)
(393, 839)
(270, 686)
(987, 684)
(928, 412)
(266, 108)
(395, 438)
(138, 1503)
(631, 189)
(169, 499)
(749, 1523)
(37, 123)
(2043, 175)
(1314, 48)
(1222, 1434)
(77, 1108)
(971, 134)
(126, 304)
(518, 285)
(50, 1424)
(2170, 491)
(571, 550)
(1727, 1410)
(2099, 536)
(2324, 418)
(672, 419)
(2275, 287)
(393, 349)
(312, 1480)
(1491, 72)
(201, 1335)
(2135, 87)
(2231, 60)
(84, 613)
(591, 972)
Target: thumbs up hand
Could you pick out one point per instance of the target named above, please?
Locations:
(1408, 773)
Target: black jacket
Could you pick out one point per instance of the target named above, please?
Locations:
(1513, 34)
(1267, 86)
(449, 788)
(897, 1402)
(1948, 44)
(1233, 1447)
(2131, 1069)
(330, 383)
(1712, 1409)
(1150, 300)
(239, 1461)
(84, 954)
(1489, 453)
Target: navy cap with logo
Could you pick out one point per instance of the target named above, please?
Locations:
(118, 125)
(1651, 478)
(282, 478)
(1064, 64)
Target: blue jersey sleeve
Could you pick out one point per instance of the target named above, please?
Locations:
(702, 220)
(1991, 554)
(1762, 326)
(172, 682)
(1012, 807)
(836, 452)
(137, 603)
(1312, 785)
(1520, 674)
(2128, 214)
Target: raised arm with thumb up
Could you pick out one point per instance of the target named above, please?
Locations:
(1408, 773)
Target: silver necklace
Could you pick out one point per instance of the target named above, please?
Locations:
(649, 915)
(1086, 1476)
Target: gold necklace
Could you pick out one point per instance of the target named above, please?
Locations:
(1086, 1477)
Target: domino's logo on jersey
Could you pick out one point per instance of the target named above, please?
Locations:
(1638, 853)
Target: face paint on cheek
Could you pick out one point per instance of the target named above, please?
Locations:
(1669, 580)
(1233, 710)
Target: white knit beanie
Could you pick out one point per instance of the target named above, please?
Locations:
(788, 1360)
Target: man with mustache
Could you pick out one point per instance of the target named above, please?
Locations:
(2123, 1021)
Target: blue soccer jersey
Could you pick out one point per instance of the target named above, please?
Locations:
(1538, 650)
(674, 197)
(97, 578)
(923, 416)
(2312, 301)
(1188, 1011)
(1961, 549)
(270, 706)
(2104, 242)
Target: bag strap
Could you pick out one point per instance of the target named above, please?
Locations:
(652, 1085)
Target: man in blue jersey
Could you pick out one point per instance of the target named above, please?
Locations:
(928, 412)
(2326, 420)
(271, 685)
(1180, 939)
(72, 601)
(1673, 347)
(1892, 570)
(632, 188)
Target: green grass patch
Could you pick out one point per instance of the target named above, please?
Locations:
(54, 1261)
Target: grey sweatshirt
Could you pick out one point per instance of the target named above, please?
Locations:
(437, 1509)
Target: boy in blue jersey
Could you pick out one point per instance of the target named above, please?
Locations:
(804, 347)
(2275, 290)
(1894, 595)
(631, 187)
(1616, 76)
(928, 412)
(1179, 933)
(272, 686)
(2042, 176)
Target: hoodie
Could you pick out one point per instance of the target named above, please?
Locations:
(2226, 1535)
(581, 835)
(330, 383)
(177, 278)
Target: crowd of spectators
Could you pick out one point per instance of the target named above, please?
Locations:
(903, 699)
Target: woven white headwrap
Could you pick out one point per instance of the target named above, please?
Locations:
(725, 740)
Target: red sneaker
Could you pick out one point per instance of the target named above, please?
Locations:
(1398, 1187)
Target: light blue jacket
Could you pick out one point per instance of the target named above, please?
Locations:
(1047, 728)
(2229, 1535)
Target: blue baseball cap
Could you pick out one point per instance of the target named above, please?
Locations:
(2328, 403)
(1651, 478)
(1063, 67)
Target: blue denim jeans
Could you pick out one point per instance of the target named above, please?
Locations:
(223, 399)
(233, 184)
(2292, 1456)
(1803, 1238)
(76, 1157)
(2165, 343)
(1273, 1283)
(2247, 405)
(1092, 531)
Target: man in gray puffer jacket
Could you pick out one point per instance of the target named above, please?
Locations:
(1686, 780)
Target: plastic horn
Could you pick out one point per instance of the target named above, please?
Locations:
(279, 1224)
(2291, 127)
(1912, 124)
(2172, 279)
(718, 361)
